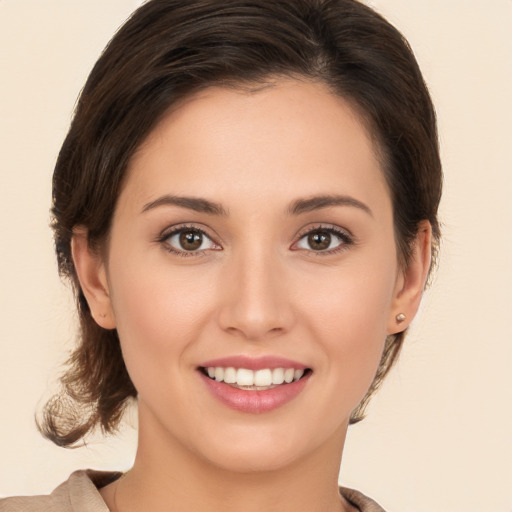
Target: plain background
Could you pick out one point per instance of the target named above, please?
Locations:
(438, 435)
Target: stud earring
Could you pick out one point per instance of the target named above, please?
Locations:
(400, 318)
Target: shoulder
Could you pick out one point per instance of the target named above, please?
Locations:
(79, 493)
(360, 501)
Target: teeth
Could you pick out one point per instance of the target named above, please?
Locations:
(277, 376)
(219, 374)
(288, 375)
(245, 377)
(259, 379)
(298, 374)
(230, 375)
(263, 378)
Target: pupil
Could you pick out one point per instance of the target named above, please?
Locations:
(319, 241)
(190, 240)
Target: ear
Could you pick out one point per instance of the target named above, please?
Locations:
(411, 281)
(92, 275)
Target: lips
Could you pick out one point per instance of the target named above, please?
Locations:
(254, 385)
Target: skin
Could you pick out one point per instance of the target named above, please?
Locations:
(257, 288)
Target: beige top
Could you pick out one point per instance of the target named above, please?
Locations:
(80, 494)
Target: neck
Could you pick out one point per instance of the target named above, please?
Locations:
(167, 477)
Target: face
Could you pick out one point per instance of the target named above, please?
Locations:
(253, 242)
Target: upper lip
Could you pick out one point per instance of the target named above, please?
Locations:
(254, 363)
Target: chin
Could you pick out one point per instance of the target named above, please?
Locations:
(253, 459)
(260, 450)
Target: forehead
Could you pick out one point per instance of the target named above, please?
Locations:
(292, 137)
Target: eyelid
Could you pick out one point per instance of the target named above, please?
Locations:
(344, 234)
(346, 237)
(170, 231)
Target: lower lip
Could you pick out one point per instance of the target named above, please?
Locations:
(255, 402)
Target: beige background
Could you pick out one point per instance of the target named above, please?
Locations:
(438, 437)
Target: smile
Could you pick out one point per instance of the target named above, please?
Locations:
(253, 380)
(254, 385)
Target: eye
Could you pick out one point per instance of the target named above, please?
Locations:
(324, 240)
(188, 240)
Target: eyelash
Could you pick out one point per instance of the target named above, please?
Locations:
(346, 240)
(345, 237)
(163, 239)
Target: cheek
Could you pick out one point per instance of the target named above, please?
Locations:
(158, 315)
(354, 299)
(349, 319)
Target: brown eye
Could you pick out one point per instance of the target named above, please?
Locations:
(319, 240)
(326, 240)
(190, 240)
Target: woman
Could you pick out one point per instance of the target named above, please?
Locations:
(246, 203)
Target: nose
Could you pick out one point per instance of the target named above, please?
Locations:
(256, 302)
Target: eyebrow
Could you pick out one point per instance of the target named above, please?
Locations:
(296, 208)
(192, 203)
(325, 201)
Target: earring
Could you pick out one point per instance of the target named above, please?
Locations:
(400, 318)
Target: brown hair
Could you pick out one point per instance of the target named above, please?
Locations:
(170, 49)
